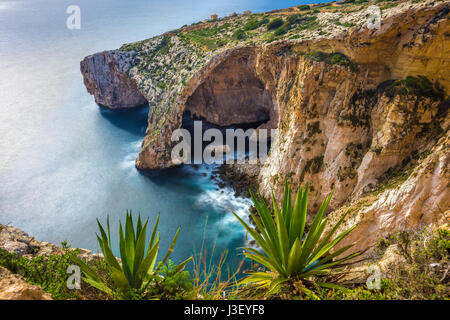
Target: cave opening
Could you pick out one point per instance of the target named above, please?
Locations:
(232, 94)
(232, 97)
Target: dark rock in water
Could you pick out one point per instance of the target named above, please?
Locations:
(239, 176)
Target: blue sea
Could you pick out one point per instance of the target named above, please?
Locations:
(64, 161)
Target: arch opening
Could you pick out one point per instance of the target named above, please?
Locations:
(232, 95)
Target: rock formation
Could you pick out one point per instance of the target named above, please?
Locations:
(14, 287)
(353, 105)
(105, 77)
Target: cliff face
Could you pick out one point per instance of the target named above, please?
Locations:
(105, 77)
(413, 199)
(352, 108)
(343, 127)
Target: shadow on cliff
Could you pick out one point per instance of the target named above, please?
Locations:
(132, 120)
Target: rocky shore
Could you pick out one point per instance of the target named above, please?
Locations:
(241, 177)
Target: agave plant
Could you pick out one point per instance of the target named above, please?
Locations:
(288, 250)
(136, 269)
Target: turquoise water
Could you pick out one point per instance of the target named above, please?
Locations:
(65, 162)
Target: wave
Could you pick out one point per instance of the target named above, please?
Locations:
(132, 150)
(223, 202)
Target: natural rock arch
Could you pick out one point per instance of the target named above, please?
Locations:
(232, 94)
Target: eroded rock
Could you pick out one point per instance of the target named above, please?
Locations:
(14, 287)
(105, 77)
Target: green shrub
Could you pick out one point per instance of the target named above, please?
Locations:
(332, 58)
(419, 86)
(275, 23)
(288, 250)
(293, 18)
(172, 285)
(421, 276)
(304, 7)
(338, 59)
(316, 55)
(264, 21)
(48, 272)
(164, 46)
(239, 34)
(135, 46)
(133, 275)
(281, 30)
(309, 22)
(253, 24)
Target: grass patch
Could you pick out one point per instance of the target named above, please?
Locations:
(209, 37)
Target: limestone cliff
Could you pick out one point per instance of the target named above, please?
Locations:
(353, 105)
(104, 77)
(414, 198)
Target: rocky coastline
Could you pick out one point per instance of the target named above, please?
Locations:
(351, 104)
(361, 112)
(241, 177)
